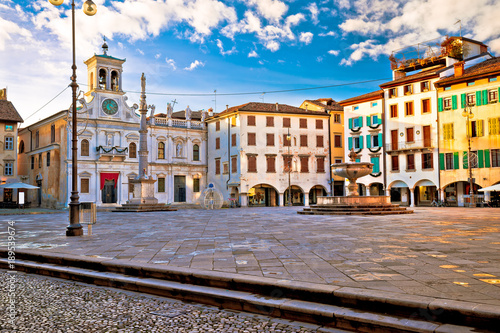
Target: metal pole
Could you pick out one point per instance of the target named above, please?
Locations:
(74, 228)
(289, 168)
(471, 183)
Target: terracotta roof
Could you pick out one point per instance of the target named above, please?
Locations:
(8, 112)
(414, 77)
(483, 68)
(330, 105)
(371, 95)
(268, 108)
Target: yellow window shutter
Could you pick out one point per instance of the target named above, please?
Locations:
(452, 133)
(490, 130)
(480, 128)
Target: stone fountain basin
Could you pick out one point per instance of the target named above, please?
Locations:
(352, 170)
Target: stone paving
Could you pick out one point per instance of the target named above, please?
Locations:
(452, 253)
(52, 305)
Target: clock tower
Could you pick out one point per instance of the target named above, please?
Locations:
(105, 94)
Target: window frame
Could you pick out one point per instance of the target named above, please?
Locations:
(393, 110)
(410, 162)
(196, 152)
(409, 109)
(85, 189)
(9, 143)
(160, 155)
(85, 148)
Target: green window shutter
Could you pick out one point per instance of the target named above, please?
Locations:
(380, 139)
(485, 97)
(480, 157)
(487, 158)
(463, 100)
(456, 163)
(368, 120)
(440, 104)
(441, 161)
(379, 118)
(454, 103)
(376, 164)
(360, 121)
(361, 141)
(478, 98)
(368, 141)
(465, 161)
(349, 142)
(350, 123)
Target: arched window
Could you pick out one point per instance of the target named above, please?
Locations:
(85, 151)
(132, 150)
(21, 147)
(114, 81)
(161, 151)
(52, 133)
(196, 153)
(102, 78)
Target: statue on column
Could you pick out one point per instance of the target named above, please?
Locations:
(188, 113)
(203, 115)
(170, 110)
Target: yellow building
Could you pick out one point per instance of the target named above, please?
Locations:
(471, 90)
(336, 112)
(9, 120)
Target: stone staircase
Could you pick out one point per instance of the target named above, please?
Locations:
(354, 210)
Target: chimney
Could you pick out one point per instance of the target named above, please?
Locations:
(3, 94)
(277, 109)
(459, 68)
(398, 75)
(306, 106)
(210, 112)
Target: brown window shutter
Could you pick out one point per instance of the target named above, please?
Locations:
(251, 139)
(269, 121)
(304, 164)
(252, 163)
(319, 123)
(234, 164)
(233, 140)
(217, 143)
(303, 123)
(286, 122)
(319, 141)
(287, 163)
(251, 121)
(321, 164)
(271, 164)
(217, 125)
(270, 139)
(217, 167)
(303, 140)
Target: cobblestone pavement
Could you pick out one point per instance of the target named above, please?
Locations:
(451, 253)
(51, 305)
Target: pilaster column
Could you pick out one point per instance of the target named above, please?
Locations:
(306, 199)
(441, 194)
(368, 191)
(412, 198)
(243, 200)
(282, 200)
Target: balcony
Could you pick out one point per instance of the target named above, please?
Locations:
(178, 123)
(107, 154)
(402, 146)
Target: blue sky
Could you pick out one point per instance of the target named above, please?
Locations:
(198, 46)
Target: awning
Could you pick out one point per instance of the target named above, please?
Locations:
(109, 176)
(399, 184)
(19, 186)
(490, 188)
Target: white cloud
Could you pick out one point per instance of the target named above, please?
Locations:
(334, 52)
(306, 37)
(171, 63)
(253, 54)
(319, 59)
(141, 52)
(405, 23)
(194, 65)
(158, 55)
(329, 33)
(272, 10)
(221, 48)
(313, 8)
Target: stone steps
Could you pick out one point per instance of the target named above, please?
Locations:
(143, 208)
(360, 310)
(371, 209)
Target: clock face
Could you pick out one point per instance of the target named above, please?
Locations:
(109, 106)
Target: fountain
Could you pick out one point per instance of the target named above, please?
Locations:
(353, 203)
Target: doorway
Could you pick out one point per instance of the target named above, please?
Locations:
(39, 184)
(109, 191)
(179, 188)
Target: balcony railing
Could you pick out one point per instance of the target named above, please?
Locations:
(413, 145)
(179, 123)
(111, 153)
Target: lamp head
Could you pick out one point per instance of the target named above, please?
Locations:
(89, 7)
(56, 2)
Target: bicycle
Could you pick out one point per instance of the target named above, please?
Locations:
(439, 203)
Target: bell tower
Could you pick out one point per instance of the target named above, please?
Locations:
(104, 73)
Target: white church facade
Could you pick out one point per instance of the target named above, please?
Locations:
(108, 145)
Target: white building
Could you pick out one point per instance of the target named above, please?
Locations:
(363, 116)
(252, 159)
(108, 144)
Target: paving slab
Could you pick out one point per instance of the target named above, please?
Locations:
(452, 253)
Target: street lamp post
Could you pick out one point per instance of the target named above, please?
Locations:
(75, 228)
(467, 113)
(289, 139)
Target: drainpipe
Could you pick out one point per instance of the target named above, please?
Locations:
(383, 144)
(330, 153)
(438, 167)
